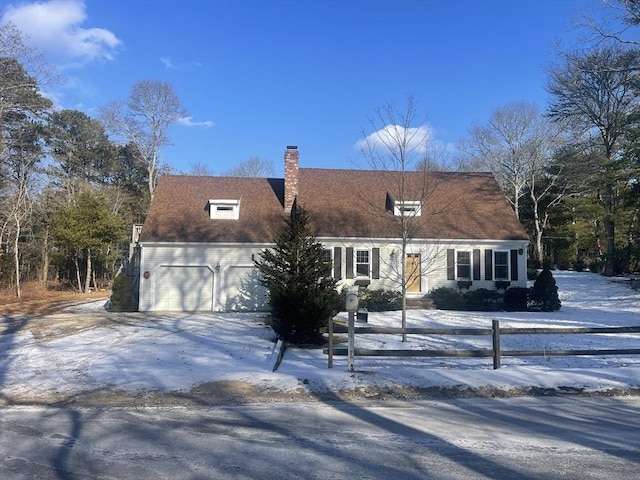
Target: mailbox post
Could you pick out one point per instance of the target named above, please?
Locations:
(352, 308)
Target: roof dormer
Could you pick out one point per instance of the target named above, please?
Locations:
(407, 208)
(404, 208)
(224, 209)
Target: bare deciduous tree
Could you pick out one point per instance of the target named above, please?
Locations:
(517, 146)
(143, 120)
(201, 169)
(397, 147)
(508, 146)
(255, 167)
(626, 17)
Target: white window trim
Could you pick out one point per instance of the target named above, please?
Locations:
(407, 208)
(355, 262)
(495, 276)
(224, 209)
(457, 264)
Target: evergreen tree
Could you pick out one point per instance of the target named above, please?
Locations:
(297, 275)
(544, 293)
(88, 229)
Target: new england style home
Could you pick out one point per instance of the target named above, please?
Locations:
(201, 235)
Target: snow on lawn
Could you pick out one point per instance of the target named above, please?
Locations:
(179, 351)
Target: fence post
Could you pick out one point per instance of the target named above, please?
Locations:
(330, 358)
(495, 325)
(352, 320)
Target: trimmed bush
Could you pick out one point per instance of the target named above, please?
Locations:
(515, 299)
(544, 293)
(121, 295)
(381, 300)
(482, 300)
(446, 298)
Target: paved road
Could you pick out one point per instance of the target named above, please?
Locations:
(518, 438)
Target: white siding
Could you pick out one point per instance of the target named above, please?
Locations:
(433, 256)
(223, 278)
(242, 289)
(177, 277)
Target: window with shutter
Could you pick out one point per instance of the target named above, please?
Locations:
(463, 265)
(363, 265)
(501, 265)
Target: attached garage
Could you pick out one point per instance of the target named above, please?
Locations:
(242, 289)
(184, 288)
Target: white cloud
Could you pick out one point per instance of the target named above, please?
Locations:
(391, 137)
(54, 27)
(188, 122)
(171, 65)
(167, 62)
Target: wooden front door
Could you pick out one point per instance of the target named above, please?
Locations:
(414, 272)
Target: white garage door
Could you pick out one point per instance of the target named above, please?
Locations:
(184, 288)
(242, 290)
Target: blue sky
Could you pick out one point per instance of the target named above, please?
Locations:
(258, 75)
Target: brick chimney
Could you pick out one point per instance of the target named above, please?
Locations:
(291, 156)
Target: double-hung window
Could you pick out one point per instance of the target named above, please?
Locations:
(463, 265)
(501, 265)
(363, 265)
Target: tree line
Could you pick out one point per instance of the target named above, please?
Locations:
(72, 186)
(571, 171)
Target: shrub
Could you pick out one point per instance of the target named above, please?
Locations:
(446, 298)
(482, 300)
(544, 293)
(380, 300)
(121, 295)
(515, 299)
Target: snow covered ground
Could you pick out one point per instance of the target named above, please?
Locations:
(175, 352)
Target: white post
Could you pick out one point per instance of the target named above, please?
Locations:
(352, 320)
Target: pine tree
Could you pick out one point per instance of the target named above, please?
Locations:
(297, 276)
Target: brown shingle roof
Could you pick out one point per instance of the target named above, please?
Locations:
(180, 213)
(341, 203)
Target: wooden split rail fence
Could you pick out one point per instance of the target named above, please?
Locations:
(495, 332)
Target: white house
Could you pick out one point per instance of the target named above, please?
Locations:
(202, 234)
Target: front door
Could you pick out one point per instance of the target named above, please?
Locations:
(414, 272)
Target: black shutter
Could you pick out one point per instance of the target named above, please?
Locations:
(476, 264)
(514, 264)
(337, 263)
(375, 263)
(349, 259)
(488, 264)
(451, 267)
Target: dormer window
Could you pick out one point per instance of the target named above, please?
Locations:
(407, 208)
(224, 209)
